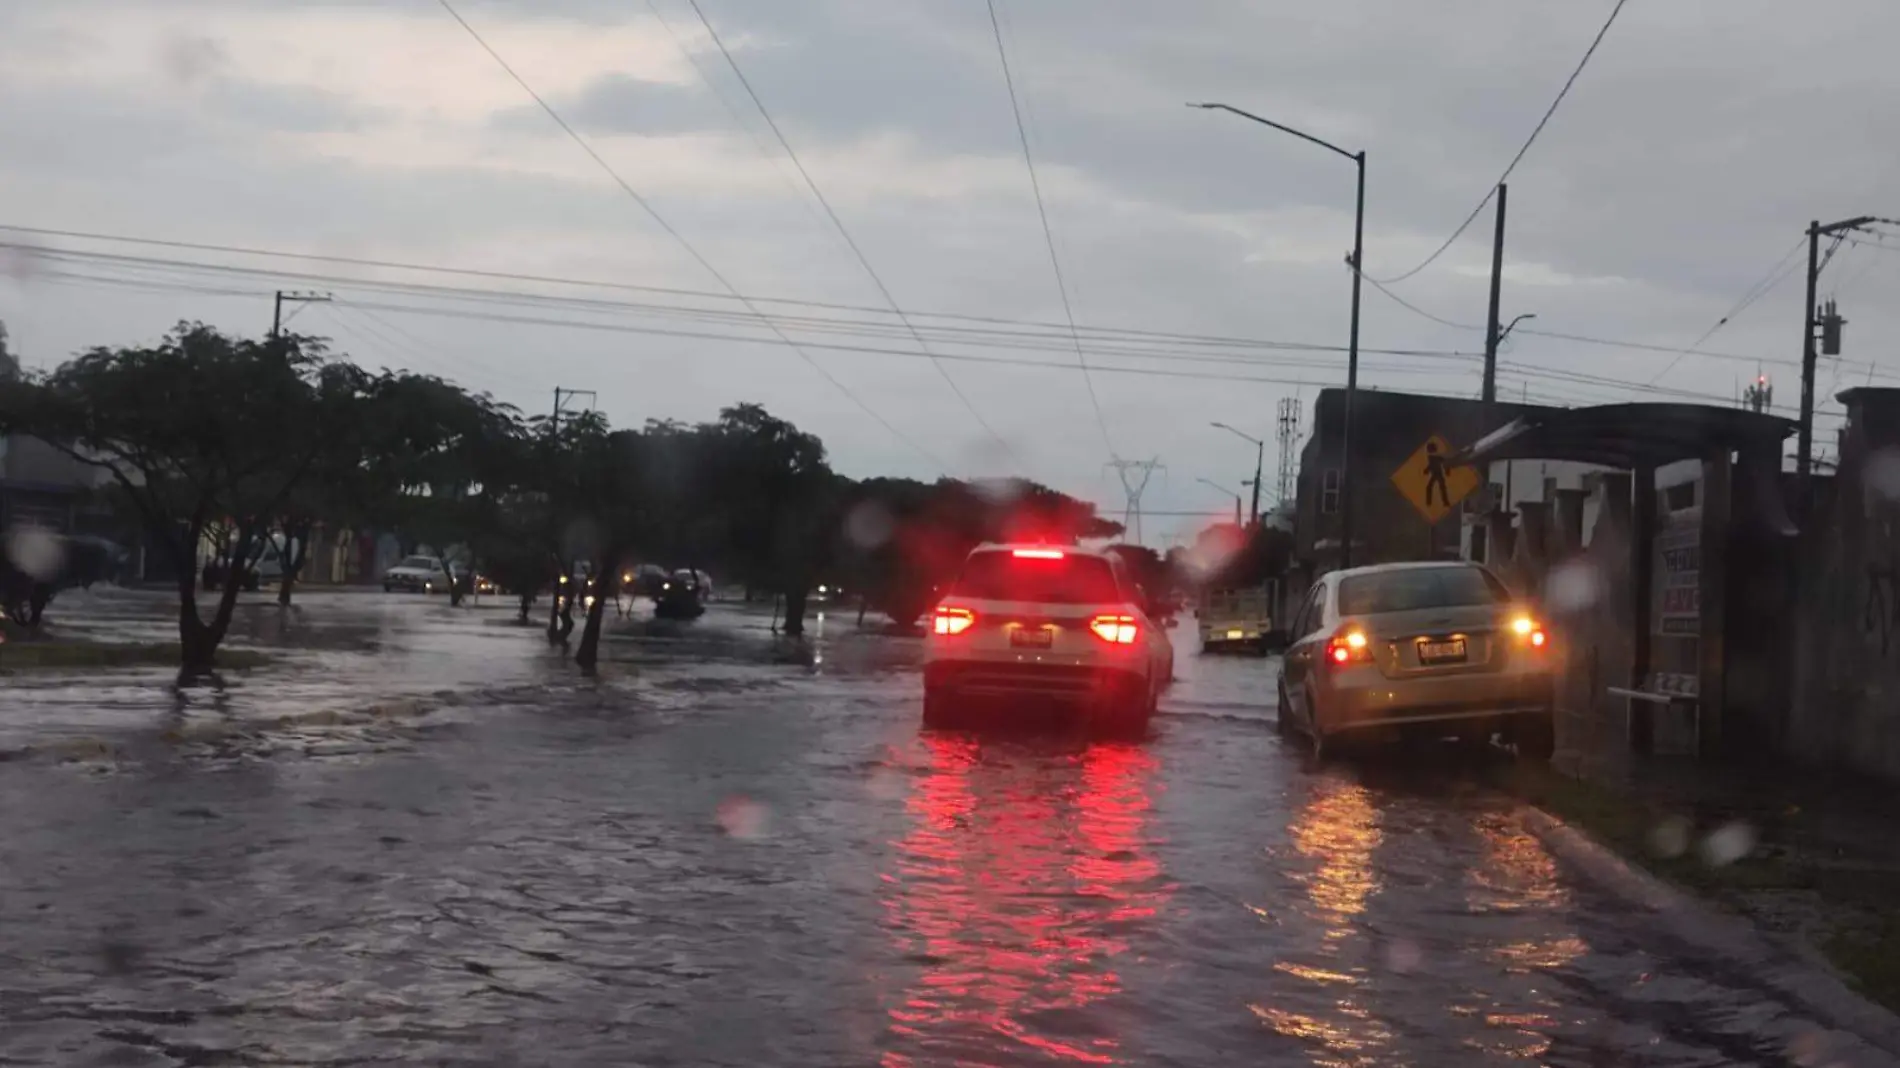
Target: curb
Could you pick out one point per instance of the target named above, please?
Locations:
(1793, 970)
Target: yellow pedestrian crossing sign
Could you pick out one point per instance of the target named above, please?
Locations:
(1433, 485)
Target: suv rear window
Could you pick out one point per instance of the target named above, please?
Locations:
(1002, 576)
(1415, 588)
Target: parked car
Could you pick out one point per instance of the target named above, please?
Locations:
(680, 597)
(417, 574)
(1422, 649)
(1056, 625)
(699, 580)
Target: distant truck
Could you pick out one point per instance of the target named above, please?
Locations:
(1238, 618)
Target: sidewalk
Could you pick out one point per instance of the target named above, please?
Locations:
(1808, 857)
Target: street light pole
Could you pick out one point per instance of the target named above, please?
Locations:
(1352, 349)
(1259, 462)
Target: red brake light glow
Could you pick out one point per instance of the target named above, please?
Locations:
(1117, 630)
(950, 622)
(1037, 554)
(1348, 646)
(1531, 631)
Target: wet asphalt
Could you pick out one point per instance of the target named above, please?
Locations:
(730, 850)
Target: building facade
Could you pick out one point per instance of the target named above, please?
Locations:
(1396, 434)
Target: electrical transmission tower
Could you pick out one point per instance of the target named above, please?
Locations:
(1135, 475)
(1289, 437)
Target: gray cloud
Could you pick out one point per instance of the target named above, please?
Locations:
(1691, 153)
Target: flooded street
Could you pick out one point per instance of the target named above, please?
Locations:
(723, 853)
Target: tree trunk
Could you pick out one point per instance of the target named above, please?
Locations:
(197, 649)
(296, 548)
(795, 611)
(589, 654)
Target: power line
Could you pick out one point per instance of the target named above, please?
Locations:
(678, 237)
(732, 110)
(1409, 306)
(831, 213)
(984, 339)
(1093, 332)
(1112, 345)
(1574, 380)
(1775, 276)
(1048, 235)
(1584, 339)
(1528, 142)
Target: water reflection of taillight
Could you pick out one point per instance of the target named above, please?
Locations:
(1019, 883)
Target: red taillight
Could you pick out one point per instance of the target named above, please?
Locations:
(1349, 646)
(1118, 630)
(1038, 554)
(950, 622)
(1531, 631)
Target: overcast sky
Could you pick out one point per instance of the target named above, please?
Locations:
(1684, 166)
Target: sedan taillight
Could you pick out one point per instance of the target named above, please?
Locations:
(950, 621)
(1116, 630)
(1349, 646)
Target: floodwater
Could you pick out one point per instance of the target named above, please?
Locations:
(729, 851)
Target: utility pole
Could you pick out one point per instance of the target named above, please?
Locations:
(1812, 319)
(1492, 333)
(561, 396)
(1352, 368)
(1134, 475)
(284, 297)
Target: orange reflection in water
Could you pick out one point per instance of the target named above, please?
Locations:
(1338, 829)
(1020, 883)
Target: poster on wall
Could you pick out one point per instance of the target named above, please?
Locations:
(1677, 606)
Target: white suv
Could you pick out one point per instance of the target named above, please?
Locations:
(1045, 622)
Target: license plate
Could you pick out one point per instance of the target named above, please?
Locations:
(1236, 635)
(1034, 638)
(1441, 652)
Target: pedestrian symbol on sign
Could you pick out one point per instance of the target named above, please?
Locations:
(1435, 475)
(1432, 483)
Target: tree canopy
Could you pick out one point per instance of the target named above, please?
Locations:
(210, 440)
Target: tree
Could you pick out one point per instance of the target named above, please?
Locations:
(9, 363)
(199, 429)
(903, 539)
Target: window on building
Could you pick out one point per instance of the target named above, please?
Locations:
(1680, 497)
(1329, 493)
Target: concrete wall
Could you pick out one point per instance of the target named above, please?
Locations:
(1846, 706)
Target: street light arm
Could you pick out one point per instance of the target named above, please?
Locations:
(1238, 433)
(1354, 156)
(1506, 332)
